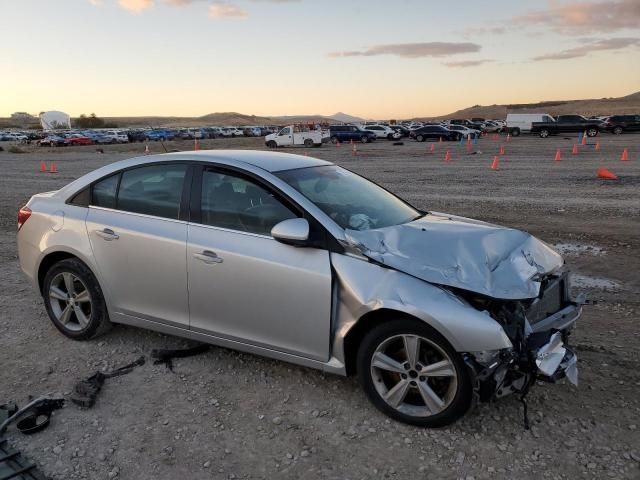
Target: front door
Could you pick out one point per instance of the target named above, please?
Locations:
(140, 244)
(246, 286)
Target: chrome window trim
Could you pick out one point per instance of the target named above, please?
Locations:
(135, 214)
(230, 230)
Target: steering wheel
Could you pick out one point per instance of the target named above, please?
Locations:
(260, 216)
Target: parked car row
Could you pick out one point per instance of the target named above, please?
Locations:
(545, 125)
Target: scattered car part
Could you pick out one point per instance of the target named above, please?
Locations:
(14, 465)
(86, 391)
(40, 406)
(165, 356)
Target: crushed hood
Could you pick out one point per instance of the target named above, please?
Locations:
(495, 261)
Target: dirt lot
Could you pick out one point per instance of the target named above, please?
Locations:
(230, 415)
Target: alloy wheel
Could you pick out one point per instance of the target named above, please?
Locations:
(413, 375)
(70, 301)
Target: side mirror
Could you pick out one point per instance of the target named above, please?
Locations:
(294, 231)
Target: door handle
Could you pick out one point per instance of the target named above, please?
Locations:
(107, 234)
(207, 256)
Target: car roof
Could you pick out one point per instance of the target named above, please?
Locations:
(269, 161)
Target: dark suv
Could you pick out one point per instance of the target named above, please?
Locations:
(622, 123)
(346, 133)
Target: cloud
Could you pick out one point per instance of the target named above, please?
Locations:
(135, 6)
(413, 50)
(466, 63)
(588, 47)
(599, 16)
(221, 9)
(470, 31)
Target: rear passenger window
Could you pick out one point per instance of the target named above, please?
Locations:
(154, 190)
(104, 192)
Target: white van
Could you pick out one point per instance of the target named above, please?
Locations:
(518, 123)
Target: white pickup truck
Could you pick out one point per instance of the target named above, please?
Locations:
(291, 135)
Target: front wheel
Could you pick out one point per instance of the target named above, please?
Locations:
(365, 139)
(272, 144)
(419, 138)
(617, 130)
(74, 300)
(411, 373)
(592, 132)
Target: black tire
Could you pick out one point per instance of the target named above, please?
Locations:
(419, 138)
(99, 319)
(308, 142)
(515, 132)
(334, 139)
(544, 133)
(390, 137)
(272, 144)
(592, 132)
(462, 398)
(617, 130)
(365, 139)
(114, 141)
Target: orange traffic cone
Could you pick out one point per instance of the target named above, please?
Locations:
(625, 155)
(440, 140)
(468, 147)
(337, 143)
(495, 164)
(606, 174)
(43, 167)
(53, 168)
(558, 156)
(354, 149)
(196, 144)
(502, 150)
(508, 137)
(597, 149)
(433, 148)
(146, 149)
(469, 139)
(584, 138)
(447, 156)
(574, 150)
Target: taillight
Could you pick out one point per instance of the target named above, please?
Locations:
(23, 216)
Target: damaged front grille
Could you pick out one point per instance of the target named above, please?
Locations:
(554, 295)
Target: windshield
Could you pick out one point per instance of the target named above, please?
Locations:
(352, 201)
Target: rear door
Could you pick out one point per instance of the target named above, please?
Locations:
(138, 234)
(243, 284)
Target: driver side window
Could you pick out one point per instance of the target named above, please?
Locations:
(236, 203)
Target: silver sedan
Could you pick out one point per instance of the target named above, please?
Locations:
(300, 260)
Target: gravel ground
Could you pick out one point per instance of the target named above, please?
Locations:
(225, 414)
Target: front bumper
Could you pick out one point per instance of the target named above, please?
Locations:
(544, 354)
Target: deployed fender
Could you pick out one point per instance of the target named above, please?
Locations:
(363, 287)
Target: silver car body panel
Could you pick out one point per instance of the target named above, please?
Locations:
(495, 261)
(332, 291)
(258, 290)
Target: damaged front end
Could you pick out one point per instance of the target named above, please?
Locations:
(539, 330)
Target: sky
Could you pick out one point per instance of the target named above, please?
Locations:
(371, 58)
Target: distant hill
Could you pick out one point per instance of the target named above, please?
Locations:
(339, 117)
(602, 106)
(221, 119)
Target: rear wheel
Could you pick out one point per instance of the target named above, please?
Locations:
(74, 300)
(420, 138)
(617, 130)
(365, 139)
(515, 132)
(544, 133)
(592, 132)
(308, 142)
(334, 139)
(411, 373)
